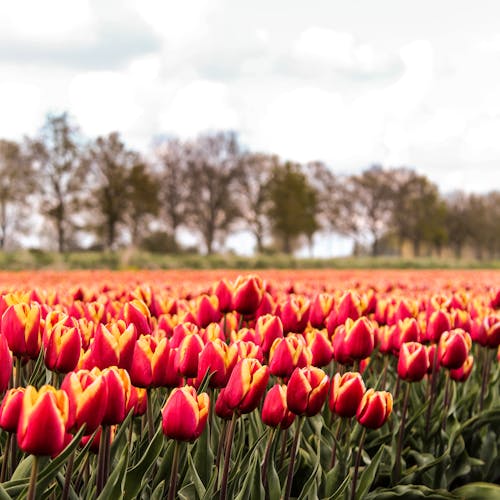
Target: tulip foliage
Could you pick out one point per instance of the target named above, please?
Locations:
(283, 385)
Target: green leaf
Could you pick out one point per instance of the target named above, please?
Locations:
(23, 470)
(157, 492)
(273, 480)
(114, 485)
(212, 485)
(203, 456)
(340, 491)
(3, 494)
(135, 475)
(478, 491)
(409, 492)
(368, 475)
(198, 483)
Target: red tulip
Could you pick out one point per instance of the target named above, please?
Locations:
(374, 408)
(219, 359)
(247, 294)
(287, 354)
(119, 386)
(21, 328)
(185, 414)
(246, 385)
(321, 307)
(406, 330)
(353, 341)
(438, 323)
(462, 374)
(320, 347)
(294, 314)
(346, 392)
(275, 411)
(268, 328)
(454, 347)
(186, 358)
(63, 348)
(207, 310)
(307, 390)
(137, 312)
(11, 409)
(5, 364)
(42, 422)
(349, 307)
(224, 292)
(413, 362)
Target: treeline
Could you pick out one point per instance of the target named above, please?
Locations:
(99, 194)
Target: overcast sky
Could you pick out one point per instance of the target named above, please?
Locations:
(348, 82)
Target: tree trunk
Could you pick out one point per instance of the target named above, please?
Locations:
(416, 248)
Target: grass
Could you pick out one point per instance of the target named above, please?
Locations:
(129, 260)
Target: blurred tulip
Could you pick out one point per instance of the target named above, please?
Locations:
(320, 346)
(294, 314)
(246, 385)
(462, 374)
(454, 347)
(349, 307)
(10, 409)
(219, 359)
(21, 328)
(406, 330)
(248, 350)
(224, 292)
(287, 354)
(42, 422)
(63, 348)
(187, 356)
(321, 307)
(307, 390)
(247, 294)
(185, 414)
(374, 408)
(346, 392)
(6, 364)
(268, 328)
(181, 331)
(207, 310)
(137, 312)
(438, 323)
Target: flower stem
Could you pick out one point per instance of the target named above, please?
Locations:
(266, 458)
(486, 376)
(149, 415)
(227, 457)
(432, 391)
(67, 478)
(19, 367)
(5, 461)
(293, 452)
(337, 437)
(173, 472)
(356, 465)
(397, 467)
(33, 478)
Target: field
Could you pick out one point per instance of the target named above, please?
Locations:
(286, 384)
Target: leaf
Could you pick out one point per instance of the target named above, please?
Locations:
(3, 494)
(203, 456)
(113, 487)
(273, 480)
(157, 492)
(409, 492)
(339, 492)
(368, 475)
(135, 475)
(198, 483)
(478, 491)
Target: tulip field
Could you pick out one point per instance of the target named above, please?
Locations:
(274, 385)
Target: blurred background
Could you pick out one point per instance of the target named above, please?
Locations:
(249, 129)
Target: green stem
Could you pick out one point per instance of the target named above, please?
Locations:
(222, 440)
(293, 452)
(5, 458)
(433, 390)
(102, 459)
(337, 437)
(173, 472)
(149, 415)
(397, 469)
(446, 403)
(227, 457)
(33, 478)
(266, 459)
(284, 433)
(356, 465)
(486, 375)
(17, 380)
(67, 478)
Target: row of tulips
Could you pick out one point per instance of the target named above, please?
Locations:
(122, 365)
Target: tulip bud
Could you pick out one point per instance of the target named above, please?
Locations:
(207, 310)
(186, 358)
(221, 409)
(275, 411)
(287, 354)
(5, 364)
(454, 347)
(42, 422)
(346, 392)
(63, 348)
(247, 295)
(320, 347)
(248, 350)
(307, 391)
(462, 374)
(103, 350)
(181, 331)
(137, 312)
(406, 330)
(438, 323)
(268, 328)
(487, 331)
(353, 341)
(294, 314)
(11, 409)
(21, 328)
(321, 307)
(219, 359)
(224, 292)
(349, 308)
(374, 408)
(246, 385)
(87, 394)
(413, 362)
(185, 414)
(119, 385)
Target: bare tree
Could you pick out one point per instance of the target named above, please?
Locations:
(213, 173)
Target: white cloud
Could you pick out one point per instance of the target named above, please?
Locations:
(199, 106)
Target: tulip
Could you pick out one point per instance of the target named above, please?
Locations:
(487, 332)
(181, 331)
(454, 347)
(246, 385)
(406, 330)
(413, 361)
(119, 385)
(287, 354)
(374, 408)
(320, 347)
(438, 323)
(218, 359)
(275, 411)
(268, 328)
(212, 332)
(126, 336)
(249, 350)
(462, 373)
(10, 409)
(88, 395)
(294, 314)
(221, 409)
(21, 328)
(149, 362)
(349, 307)
(307, 391)
(187, 356)
(224, 292)
(267, 306)
(185, 414)
(321, 307)
(96, 439)
(63, 348)
(6, 364)
(137, 312)
(346, 392)
(103, 350)
(207, 310)
(247, 294)
(42, 422)
(353, 341)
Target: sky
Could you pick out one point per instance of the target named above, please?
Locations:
(392, 82)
